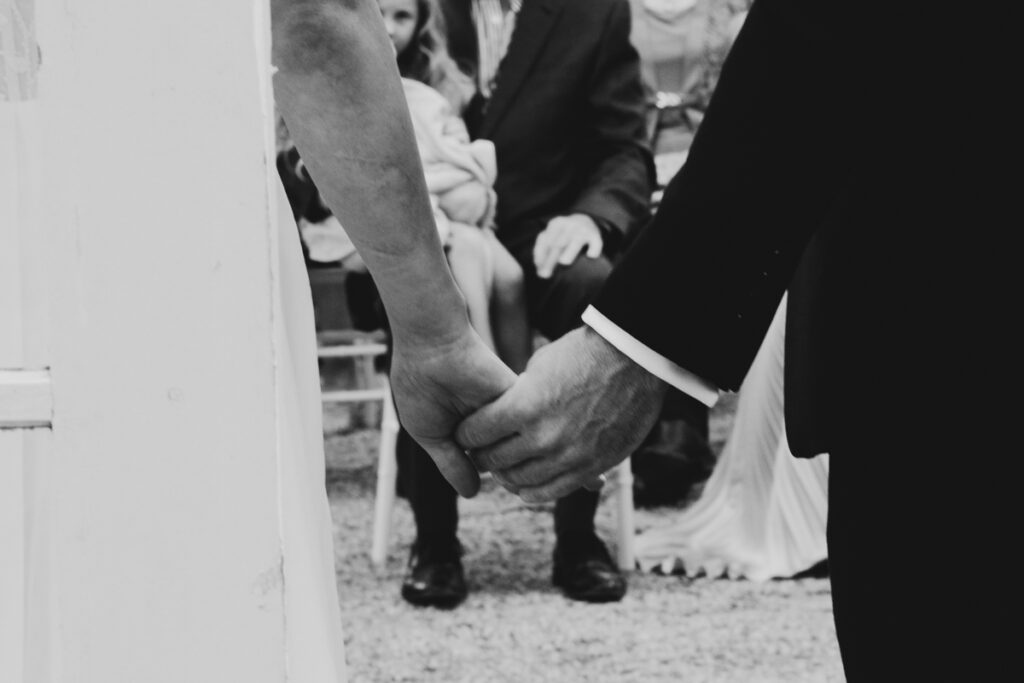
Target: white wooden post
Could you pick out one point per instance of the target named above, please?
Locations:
(146, 536)
(25, 396)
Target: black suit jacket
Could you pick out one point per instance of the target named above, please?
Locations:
(567, 117)
(824, 165)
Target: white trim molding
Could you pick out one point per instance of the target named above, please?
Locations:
(25, 399)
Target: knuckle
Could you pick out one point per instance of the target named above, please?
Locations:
(529, 477)
(466, 436)
(496, 463)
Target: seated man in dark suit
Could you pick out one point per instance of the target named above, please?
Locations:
(566, 113)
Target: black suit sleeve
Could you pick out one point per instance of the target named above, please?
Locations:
(620, 177)
(703, 280)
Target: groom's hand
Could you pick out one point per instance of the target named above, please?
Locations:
(436, 385)
(580, 408)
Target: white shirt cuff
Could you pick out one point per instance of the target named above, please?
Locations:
(651, 361)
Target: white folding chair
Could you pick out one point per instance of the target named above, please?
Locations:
(625, 527)
(387, 478)
(364, 348)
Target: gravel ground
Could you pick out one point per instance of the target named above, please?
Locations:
(516, 627)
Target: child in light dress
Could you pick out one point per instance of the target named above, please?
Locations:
(460, 177)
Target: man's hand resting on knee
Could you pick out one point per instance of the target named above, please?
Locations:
(561, 242)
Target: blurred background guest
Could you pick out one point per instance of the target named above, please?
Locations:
(558, 91)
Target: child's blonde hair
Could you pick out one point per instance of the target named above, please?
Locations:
(426, 58)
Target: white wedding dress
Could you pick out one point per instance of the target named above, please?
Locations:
(762, 512)
(314, 636)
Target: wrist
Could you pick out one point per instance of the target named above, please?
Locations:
(425, 308)
(621, 365)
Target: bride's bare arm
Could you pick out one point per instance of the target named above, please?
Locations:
(338, 89)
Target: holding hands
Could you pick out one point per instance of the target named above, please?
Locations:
(435, 385)
(580, 408)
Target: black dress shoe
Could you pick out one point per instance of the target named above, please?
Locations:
(434, 576)
(584, 570)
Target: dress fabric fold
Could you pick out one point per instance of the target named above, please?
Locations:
(762, 513)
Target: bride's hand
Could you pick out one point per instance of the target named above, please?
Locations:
(435, 387)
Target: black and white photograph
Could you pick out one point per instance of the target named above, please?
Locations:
(501, 341)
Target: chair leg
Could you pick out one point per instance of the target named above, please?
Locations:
(366, 413)
(387, 473)
(626, 526)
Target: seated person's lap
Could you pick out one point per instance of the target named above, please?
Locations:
(555, 304)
